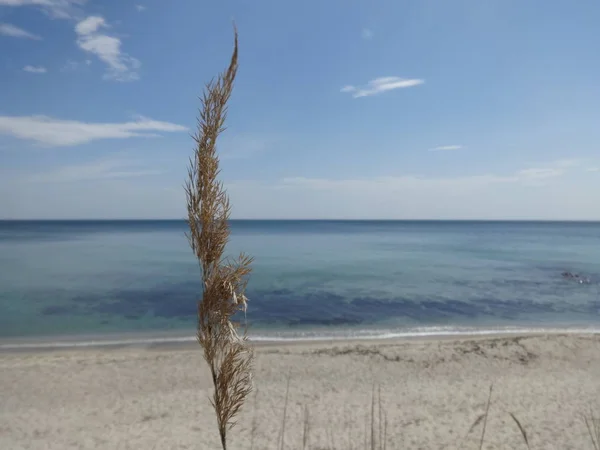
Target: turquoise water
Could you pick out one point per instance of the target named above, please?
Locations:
(310, 279)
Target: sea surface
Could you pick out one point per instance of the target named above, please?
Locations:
(83, 281)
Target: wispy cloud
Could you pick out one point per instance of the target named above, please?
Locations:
(517, 194)
(366, 33)
(96, 170)
(524, 176)
(8, 29)
(49, 131)
(539, 173)
(445, 148)
(395, 182)
(60, 9)
(380, 85)
(593, 169)
(567, 163)
(71, 66)
(245, 146)
(35, 69)
(140, 8)
(121, 66)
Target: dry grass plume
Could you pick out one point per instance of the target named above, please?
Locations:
(228, 354)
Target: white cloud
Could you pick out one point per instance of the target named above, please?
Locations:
(97, 170)
(8, 29)
(89, 25)
(539, 173)
(60, 9)
(366, 33)
(35, 69)
(140, 8)
(121, 66)
(446, 147)
(382, 84)
(593, 169)
(56, 132)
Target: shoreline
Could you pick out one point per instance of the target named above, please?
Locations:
(184, 340)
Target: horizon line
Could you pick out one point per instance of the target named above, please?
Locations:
(292, 220)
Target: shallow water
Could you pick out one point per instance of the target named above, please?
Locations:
(310, 279)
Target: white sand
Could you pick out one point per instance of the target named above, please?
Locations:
(432, 391)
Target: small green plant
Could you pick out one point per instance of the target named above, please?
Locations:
(227, 353)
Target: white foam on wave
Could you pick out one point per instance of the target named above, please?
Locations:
(306, 336)
(420, 332)
(94, 343)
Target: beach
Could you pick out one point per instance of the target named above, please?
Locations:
(432, 391)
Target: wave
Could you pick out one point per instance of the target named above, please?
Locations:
(290, 337)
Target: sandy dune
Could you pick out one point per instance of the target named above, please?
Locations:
(432, 391)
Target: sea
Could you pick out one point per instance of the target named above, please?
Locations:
(80, 283)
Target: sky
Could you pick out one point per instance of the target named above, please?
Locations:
(342, 109)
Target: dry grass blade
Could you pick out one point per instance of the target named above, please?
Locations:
(228, 354)
(592, 424)
(254, 422)
(380, 421)
(366, 436)
(330, 440)
(485, 418)
(282, 432)
(476, 423)
(306, 431)
(521, 429)
(385, 426)
(373, 419)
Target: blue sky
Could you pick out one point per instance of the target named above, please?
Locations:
(417, 109)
